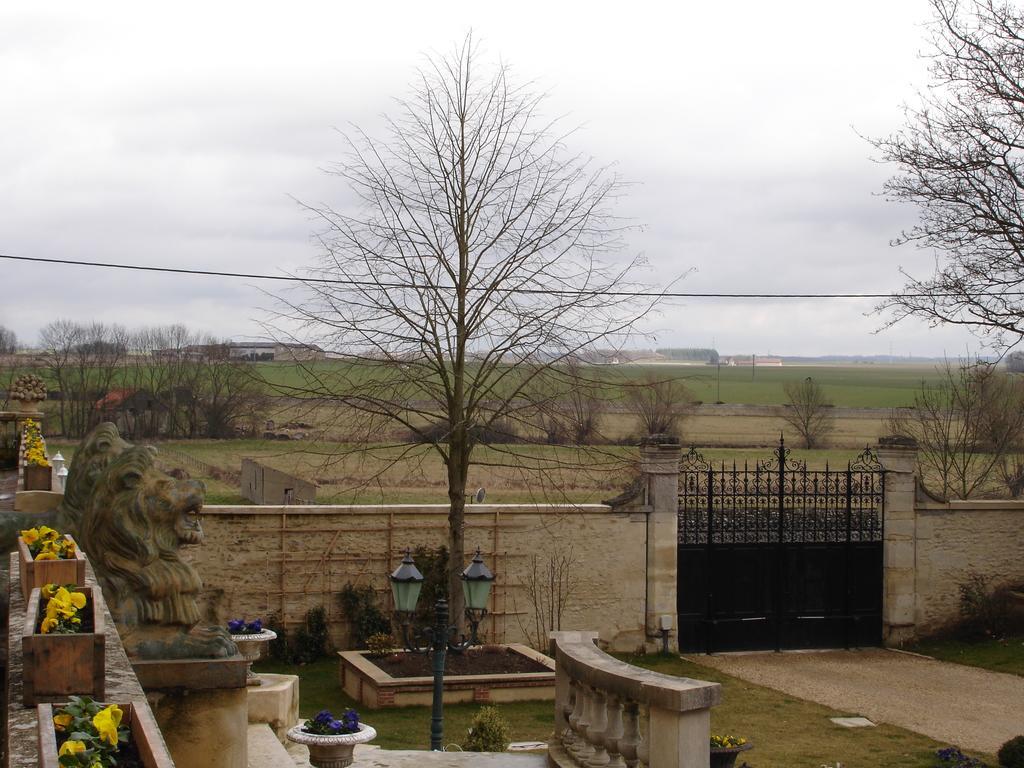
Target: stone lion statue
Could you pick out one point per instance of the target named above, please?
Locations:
(131, 519)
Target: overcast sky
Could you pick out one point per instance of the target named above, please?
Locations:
(182, 135)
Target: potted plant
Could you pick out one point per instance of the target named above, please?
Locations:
(46, 556)
(331, 740)
(724, 750)
(38, 472)
(250, 637)
(87, 734)
(63, 644)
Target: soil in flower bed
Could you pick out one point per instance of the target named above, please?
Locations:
(489, 660)
(127, 754)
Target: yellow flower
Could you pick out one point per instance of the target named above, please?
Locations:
(47, 626)
(31, 536)
(47, 556)
(47, 534)
(77, 599)
(106, 722)
(60, 722)
(71, 747)
(49, 590)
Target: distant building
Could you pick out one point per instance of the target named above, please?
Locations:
(252, 351)
(758, 361)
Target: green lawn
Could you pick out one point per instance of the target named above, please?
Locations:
(1005, 655)
(786, 731)
(407, 727)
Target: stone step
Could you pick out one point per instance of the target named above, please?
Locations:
(265, 751)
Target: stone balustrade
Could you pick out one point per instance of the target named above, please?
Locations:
(609, 714)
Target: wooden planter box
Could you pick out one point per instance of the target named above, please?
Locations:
(57, 666)
(38, 478)
(144, 730)
(39, 573)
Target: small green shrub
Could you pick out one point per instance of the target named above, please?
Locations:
(365, 617)
(379, 644)
(489, 732)
(1011, 754)
(279, 650)
(310, 642)
(985, 610)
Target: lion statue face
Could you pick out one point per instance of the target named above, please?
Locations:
(134, 520)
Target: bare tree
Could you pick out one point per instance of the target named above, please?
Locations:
(547, 587)
(86, 361)
(960, 162)
(808, 411)
(467, 272)
(571, 415)
(963, 427)
(8, 341)
(658, 404)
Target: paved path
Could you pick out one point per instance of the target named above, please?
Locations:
(951, 703)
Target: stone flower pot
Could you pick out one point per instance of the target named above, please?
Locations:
(725, 757)
(331, 751)
(250, 646)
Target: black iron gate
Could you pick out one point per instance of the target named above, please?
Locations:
(779, 556)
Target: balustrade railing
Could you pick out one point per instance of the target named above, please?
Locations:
(610, 714)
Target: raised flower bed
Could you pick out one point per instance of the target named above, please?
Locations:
(47, 557)
(126, 733)
(63, 645)
(371, 684)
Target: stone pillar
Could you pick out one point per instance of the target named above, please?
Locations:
(659, 462)
(680, 738)
(201, 706)
(899, 548)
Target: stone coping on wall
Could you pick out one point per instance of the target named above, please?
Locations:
(22, 725)
(576, 653)
(970, 505)
(376, 509)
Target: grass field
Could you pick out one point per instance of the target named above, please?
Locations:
(347, 478)
(854, 386)
(785, 731)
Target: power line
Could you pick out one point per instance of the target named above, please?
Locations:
(544, 291)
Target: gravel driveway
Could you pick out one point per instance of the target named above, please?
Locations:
(951, 703)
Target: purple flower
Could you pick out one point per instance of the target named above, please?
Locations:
(235, 626)
(254, 627)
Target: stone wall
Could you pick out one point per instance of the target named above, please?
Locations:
(959, 538)
(259, 561)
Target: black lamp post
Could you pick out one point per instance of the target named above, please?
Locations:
(406, 583)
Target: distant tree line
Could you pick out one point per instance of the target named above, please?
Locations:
(8, 341)
(697, 354)
(165, 381)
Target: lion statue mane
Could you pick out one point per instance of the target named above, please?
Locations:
(131, 519)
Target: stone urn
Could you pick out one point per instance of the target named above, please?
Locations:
(331, 751)
(725, 757)
(251, 646)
